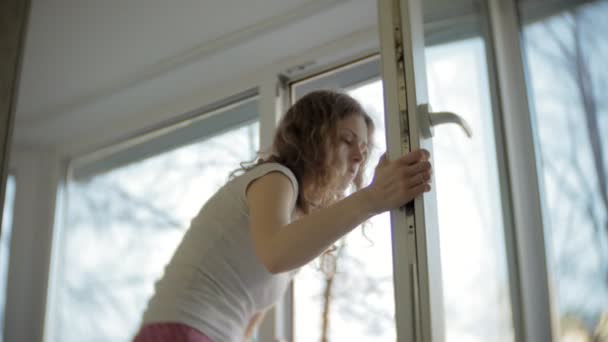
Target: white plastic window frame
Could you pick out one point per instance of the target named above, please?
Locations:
(218, 116)
(528, 268)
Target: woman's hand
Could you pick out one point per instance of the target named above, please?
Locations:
(399, 181)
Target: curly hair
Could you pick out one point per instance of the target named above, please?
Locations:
(305, 140)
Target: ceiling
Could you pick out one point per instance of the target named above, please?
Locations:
(94, 70)
(90, 64)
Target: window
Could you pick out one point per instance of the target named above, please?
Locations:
(565, 50)
(5, 240)
(357, 303)
(123, 222)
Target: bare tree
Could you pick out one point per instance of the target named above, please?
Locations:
(574, 45)
(578, 36)
(329, 266)
(121, 223)
(348, 290)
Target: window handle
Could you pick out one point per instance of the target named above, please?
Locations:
(428, 119)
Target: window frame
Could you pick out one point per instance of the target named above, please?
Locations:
(41, 174)
(208, 121)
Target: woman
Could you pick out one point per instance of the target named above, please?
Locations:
(244, 246)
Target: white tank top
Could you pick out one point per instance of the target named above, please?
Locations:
(215, 283)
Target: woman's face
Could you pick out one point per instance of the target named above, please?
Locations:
(351, 150)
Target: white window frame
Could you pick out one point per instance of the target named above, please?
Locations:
(535, 313)
(209, 120)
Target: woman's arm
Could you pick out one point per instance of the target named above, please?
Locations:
(283, 246)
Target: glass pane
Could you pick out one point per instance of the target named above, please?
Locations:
(566, 53)
(473, 255)
(358, 301)
(5, 240)
(123, 226)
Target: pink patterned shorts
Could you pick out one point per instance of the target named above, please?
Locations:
(165, 332)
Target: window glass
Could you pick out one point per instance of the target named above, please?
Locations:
(473, 254)
(565, 51)
(356, 303)
(5, 239)
(123, 225)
